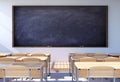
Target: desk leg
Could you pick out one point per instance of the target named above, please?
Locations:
(77, 75)
(88, 75)
(49, 64)
(41, 74)
(114, 75)
(46, 69)
(4, 75)
(72, 66)
(30, 75)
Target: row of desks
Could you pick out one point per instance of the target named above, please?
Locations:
(44, 59)
(88, 65)
(7, 73)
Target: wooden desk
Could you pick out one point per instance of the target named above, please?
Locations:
(42, 55)
(20, 59)
(13, 57)
(42, 58)
(88, 65)
(4, 54)
(30, 66)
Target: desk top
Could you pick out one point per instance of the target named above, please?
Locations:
(13, 57)
(29, 65)
(87, 65)
(4, 54)
(39, 57)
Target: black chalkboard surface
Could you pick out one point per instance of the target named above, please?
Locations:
(60, 26)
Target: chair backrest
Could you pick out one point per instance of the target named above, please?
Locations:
(100, 56)
(87, 59)
(78, 55)
(31, 60)
(101, 72)
(38, 54)
(16, 71)
(111, 59)
(90, 54)
(19, 54)
(8, 60)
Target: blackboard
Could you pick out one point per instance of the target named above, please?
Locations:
(60, 26)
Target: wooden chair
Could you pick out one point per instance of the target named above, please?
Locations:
(34, 72)
(100, 57)
(102, 72)
(74, 57)
(61, 66)
(42, 55)
(19, 54)
(38, 54)
(1, 73)
(90, 54)
(31, 60)
(111, 59)
(87, 59)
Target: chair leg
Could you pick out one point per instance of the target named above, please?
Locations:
(114, 79)
(88, 75)
(101, 79)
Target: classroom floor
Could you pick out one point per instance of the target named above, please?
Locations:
(63, 77)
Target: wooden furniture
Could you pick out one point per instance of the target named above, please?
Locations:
(4, 54)
(111, 59)
(74, 57)
(20, 70)
(83, 72)
(7, 59)
(43, 59)
(43, 55)
(100, 56)
(34, 72)
(61, 66)
(86, 59)
(102, 72)
(19, 54)
(29, 60)
(88, 65)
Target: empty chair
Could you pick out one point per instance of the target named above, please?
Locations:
(102, 72)
(19, 54)
(87, 59)
(34, 72)
(90, 54)
(111, 59)
(74, 57)
(100, 55)
(38, 54)
(1, 73)
(31, 60)
(77, 55)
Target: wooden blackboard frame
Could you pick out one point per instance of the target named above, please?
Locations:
(13, 26)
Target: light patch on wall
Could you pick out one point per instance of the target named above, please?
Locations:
(5, 33)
